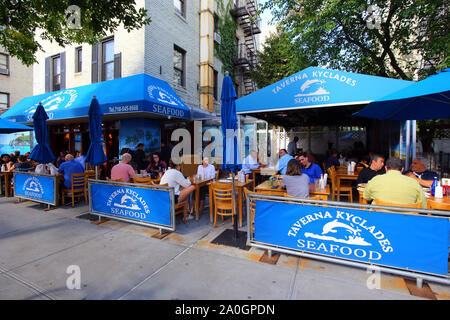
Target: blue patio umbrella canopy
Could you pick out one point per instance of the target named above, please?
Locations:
(230, 159)
(41, 153)
(316, 87)
(426, 99)
(138, 93)
(11, 127)
(95, 155)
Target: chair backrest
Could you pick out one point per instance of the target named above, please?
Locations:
(142, 180)
(332, 174)
(223, 195)
(163, 185)
(78, 180)
(409, 205)
(217, 174)
(438, 205)
(117, 180)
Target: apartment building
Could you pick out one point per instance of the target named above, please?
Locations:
(177, 48)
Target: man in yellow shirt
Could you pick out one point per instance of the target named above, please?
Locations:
(394, 187)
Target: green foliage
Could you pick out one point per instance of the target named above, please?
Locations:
(336, 34)
(21, 21)
(226, 51)
(279, 59)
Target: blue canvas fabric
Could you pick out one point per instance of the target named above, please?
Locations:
(11, 127)
(426, 99)
(316, 87)
(129, 94)
(95, 155)
(41, 153)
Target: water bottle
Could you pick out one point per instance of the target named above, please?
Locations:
(438, 192)
(433, 186)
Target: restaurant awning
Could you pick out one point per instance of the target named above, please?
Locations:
(138, 93)
(317, 88)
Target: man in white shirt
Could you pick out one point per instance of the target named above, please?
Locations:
(205, 171)
(175, 179)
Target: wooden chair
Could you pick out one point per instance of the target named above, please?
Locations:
(217, 175)
(182, 208)
(438, 205)
(142, 180)
(345, 189)
(79, 188)
(223, 201)
(117, 180)
(378, 202)
(252, 206)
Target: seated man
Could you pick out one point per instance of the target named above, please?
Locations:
(69, 167)
(332, 160)
(250, 162)
(123, 170)
(175, 179)
(420, 173)
(376, 167)
(310, 169)
(282, 163)
(394, 187)
(205, 171)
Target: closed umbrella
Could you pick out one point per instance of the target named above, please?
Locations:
(230, 159)
(7, 126)
(41, 153)
(95, 155)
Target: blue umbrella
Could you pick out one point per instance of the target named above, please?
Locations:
(41, 153)
(7, 126)
(426, 99)
(95, 155)
(230, 160)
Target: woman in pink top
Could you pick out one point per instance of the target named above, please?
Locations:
(123, 170)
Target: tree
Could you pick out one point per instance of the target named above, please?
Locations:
(63, 21)
(278, 60)
(379, 37)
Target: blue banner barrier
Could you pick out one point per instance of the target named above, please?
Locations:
(407, 241)
(35, 187)
(143, 204)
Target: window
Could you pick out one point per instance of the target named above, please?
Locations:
(78, 59)
(4, 64)
(108, 60)
(179, 7)
(216, 75)
(56, 73)
(4, 101)
(179, 66)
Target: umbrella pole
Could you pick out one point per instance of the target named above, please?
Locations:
(234, 207)
(96, 172)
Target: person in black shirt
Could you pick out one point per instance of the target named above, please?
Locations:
(139, 157)
(332, 160)
(376, 167)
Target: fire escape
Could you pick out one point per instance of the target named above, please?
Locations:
(244, 11)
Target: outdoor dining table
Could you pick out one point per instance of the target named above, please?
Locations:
(280, 191)
(344, 174)
(6, 177)
(240, 190)
(198, 183)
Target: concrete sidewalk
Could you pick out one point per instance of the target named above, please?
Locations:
(120, 260)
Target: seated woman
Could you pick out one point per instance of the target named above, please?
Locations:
(156, 163)
(296, 183)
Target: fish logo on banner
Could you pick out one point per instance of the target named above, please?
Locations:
(128, 203)
(33, 188)
(162, 95)
(346, 235)
(60, 100)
